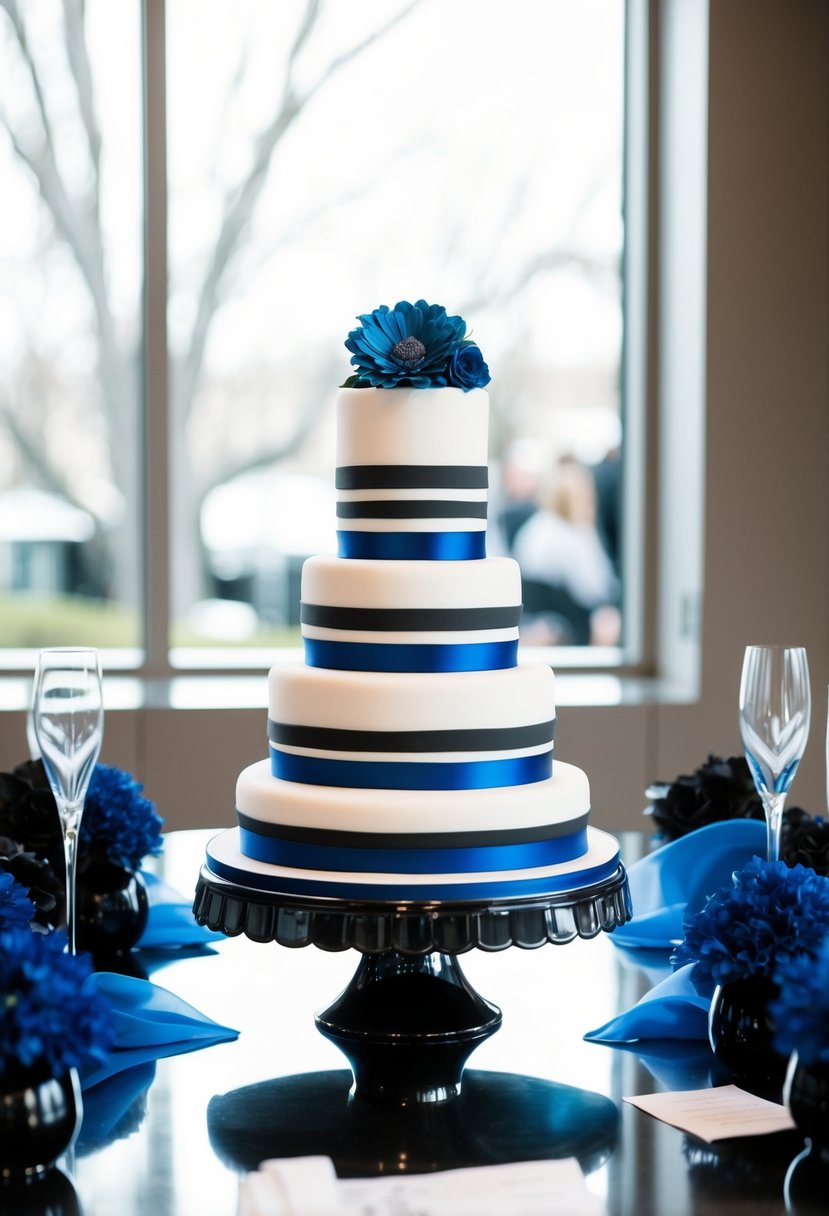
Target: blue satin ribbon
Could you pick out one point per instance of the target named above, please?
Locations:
(570, 881)
(428, 656)
(412, 775)
(413, 546)
(475, 860)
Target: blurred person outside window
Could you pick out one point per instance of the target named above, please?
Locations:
(571, 589)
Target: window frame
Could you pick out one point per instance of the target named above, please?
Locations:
(159, 660)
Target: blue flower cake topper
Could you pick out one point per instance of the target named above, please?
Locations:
(414, 346)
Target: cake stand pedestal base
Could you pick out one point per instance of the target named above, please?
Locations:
(496, 1119)
(409, 1019)
(407, 1026)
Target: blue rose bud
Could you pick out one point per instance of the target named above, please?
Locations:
(467, 368)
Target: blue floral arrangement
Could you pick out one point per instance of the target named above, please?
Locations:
(51, 1017)
(119, 824)
(416, 346)
(770, 914)
(801, 1011)
(16, 909)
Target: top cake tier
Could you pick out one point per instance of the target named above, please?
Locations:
(412, 473)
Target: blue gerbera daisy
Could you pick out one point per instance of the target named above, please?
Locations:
(413, 345)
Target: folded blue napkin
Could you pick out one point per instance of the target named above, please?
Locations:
(677, 1008)
(679, 1064)
(170, 922)
(681, 875)
(114, 1108)
(150, 1023)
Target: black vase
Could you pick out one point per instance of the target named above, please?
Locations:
(806, 1094)
(740, 1032)
(39, 1119)
(112, 909)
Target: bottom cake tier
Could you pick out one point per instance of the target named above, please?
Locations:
(600, 860)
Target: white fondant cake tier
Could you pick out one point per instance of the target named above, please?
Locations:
(416, 602)
(411, 460)
(561, 799)
(412, 701)
(411, 426)
(600, 861)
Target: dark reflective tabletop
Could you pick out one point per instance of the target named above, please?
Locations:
(176, 1136)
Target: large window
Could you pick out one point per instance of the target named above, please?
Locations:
(320, 160)
(70, 329)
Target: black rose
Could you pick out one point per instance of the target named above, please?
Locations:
(719, 789)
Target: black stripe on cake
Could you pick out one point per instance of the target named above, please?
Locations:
(412, 477)
(402, 620)
(329, 738)
(405, 508)
(412, 840)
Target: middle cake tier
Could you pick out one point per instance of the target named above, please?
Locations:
(424, 731)
(364, 615)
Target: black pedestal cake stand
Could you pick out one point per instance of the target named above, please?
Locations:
(409, 1019)
(407, 1023)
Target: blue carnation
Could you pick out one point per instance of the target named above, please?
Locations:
(769, 914)
(467, 368)
(16, 909)
(51, 1016)
(409, 345)
(118, 822)
(801, 1011)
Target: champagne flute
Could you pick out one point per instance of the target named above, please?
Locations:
(775, 706)
(68, 719)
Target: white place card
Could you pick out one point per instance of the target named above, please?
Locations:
(309, 1187)
(716, 1114)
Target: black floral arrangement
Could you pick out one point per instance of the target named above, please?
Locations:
(416, 346)
(801, 1010)
(119, 828)
(35, 875)
(51, 1017)
(772, 913)
(721, 789)
(804, 839)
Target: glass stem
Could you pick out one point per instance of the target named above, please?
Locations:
(71, 818)
(773, 806)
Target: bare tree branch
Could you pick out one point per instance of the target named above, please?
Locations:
(234, 88)
(76, 223)
(306, 422)
(309, 19)
(312, 215)
(602, 271)
(240, 203)
(78, 56)
(80, 233)
(32, 451)
(19, 28)
(341, 60)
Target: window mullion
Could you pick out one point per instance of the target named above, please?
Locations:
(156, 487)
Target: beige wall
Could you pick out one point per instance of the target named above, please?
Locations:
(765, 550)
(766, 558)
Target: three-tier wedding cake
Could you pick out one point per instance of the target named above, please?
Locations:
(411, 755)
